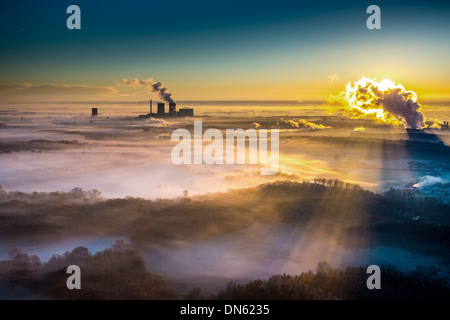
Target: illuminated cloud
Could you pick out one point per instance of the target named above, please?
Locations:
(385, 102)
(359, 129)
(302, 123)
(427, 181)
(437, 124)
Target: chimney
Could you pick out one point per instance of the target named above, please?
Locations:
(161, 110)
(172, 108)
(151, 106)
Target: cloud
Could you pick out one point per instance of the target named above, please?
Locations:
(13, 87)
(428, 181)
(54, 92)
(334, 77)
(153, 86)
(302, 123)
(385, 102)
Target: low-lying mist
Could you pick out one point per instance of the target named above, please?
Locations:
(245, 234)
(375, 195)
(127, 156)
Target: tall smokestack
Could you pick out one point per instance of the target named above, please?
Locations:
(161, 110)
(173, 109)
(151, 106)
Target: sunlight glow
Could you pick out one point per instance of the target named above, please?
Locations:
(385, 102)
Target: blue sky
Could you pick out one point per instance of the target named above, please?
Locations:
(226, 49)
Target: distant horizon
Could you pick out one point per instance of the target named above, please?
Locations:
(204, 102)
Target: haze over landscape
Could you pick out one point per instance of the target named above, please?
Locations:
(364, 150)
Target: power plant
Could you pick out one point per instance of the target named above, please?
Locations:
(445, 125)
(173, 113)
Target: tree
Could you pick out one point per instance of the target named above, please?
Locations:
(323, 268)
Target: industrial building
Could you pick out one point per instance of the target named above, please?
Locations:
(445, 125)
(173, 113)
(414, 131)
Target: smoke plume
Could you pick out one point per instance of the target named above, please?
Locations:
(385, 102)
(156, 87)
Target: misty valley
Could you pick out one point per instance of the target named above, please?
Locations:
(103, 193)
(182, 245)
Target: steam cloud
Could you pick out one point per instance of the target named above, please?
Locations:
(385, 102)
(428, 181)
(157, 87)
(302, 123)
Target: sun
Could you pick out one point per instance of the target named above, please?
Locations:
(386, 84)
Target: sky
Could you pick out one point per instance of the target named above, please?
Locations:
(219, 50)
